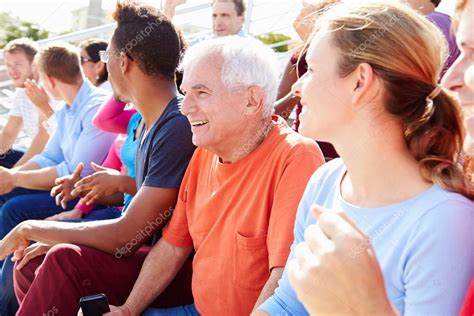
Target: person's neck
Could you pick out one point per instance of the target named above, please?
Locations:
(380, 170)
(151, 99)
(427, 9)
(244, 142)
(70, 92)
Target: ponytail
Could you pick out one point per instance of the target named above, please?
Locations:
(436, 142)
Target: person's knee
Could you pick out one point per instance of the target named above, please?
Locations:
(24, 277)
(66, 254)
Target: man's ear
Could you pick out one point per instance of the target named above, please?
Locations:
(51, 80)
(256, 100)
(125, 63)
(363, 79)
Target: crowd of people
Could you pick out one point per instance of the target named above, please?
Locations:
(163, 173)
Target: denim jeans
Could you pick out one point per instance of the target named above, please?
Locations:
(16, 207)
(10, 158)
(188, 310)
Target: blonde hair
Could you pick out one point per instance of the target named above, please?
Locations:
(406, 52)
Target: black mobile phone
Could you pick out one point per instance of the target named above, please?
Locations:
(94, 305)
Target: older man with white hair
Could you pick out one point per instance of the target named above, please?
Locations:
(238, 199)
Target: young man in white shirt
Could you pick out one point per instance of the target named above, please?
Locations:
(19, 60)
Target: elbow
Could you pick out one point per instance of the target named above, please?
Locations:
(100, 124)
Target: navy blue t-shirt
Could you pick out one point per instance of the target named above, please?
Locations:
(163, 156)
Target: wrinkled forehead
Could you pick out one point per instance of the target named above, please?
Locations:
(205, 68)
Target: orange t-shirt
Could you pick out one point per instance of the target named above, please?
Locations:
(240, 216)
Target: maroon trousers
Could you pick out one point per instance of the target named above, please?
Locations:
(53, 284)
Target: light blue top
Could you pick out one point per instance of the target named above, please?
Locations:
(76, 139)
(425, 245)
(129, 151)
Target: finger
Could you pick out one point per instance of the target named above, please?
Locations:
(18, 254)
(304, 256)
(77, 172)
(54, 191)
(89, 198)
(29, 256)
(59, 181)
(317, 241)
(97, 167)
(64, 203)
(83, 181)
(318, 211)
(83, 188)
(20, 250)
(58, 198)
(295, 273)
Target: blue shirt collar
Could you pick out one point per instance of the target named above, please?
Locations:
(82, 94)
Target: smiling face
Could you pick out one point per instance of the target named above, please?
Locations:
(19, 67)
(460, 77)
(216, 114)
(323, 93)
(225, 20)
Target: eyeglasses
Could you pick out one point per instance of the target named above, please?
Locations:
(105, 55)
(86, 60)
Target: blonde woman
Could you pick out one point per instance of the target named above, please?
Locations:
(371, 90)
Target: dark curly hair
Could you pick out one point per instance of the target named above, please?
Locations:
(148, 37)
(436, 2)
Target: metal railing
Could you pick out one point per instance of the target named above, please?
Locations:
(105, 30)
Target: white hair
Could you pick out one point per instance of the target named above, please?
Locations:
(246, 62)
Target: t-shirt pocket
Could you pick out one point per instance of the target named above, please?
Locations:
(250, 262)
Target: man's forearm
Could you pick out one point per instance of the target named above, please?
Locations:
(39, 179)
(36, 147)
(6, 143)
(94, 234)
(160, 267)
(270, 286)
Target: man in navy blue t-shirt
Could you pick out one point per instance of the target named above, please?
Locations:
(111, 252)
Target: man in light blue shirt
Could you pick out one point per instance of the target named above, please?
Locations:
(24, 192)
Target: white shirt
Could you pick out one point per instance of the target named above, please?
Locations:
(23, 108)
